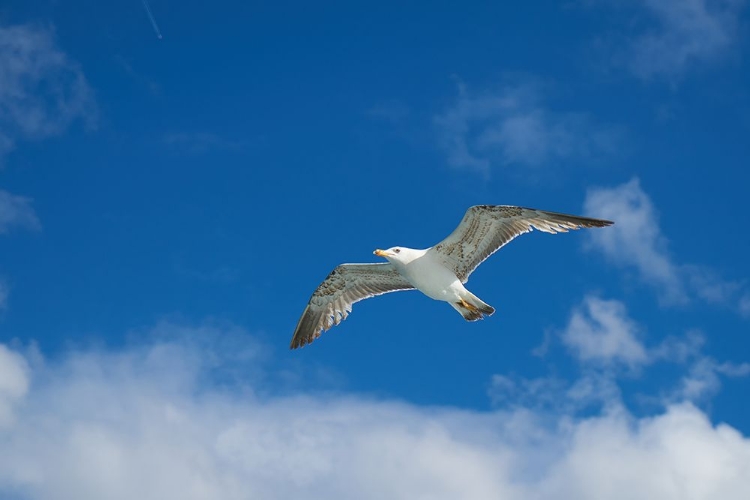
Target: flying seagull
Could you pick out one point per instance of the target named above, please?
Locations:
(438, 272)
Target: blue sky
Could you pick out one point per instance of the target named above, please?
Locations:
(167, 206)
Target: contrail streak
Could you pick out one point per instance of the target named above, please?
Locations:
(151, 18)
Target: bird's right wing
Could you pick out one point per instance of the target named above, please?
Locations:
(486, 228)
(332, 301)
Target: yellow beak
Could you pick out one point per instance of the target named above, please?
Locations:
(381, 253)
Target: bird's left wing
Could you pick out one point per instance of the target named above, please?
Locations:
(486, 228)
(332, 301)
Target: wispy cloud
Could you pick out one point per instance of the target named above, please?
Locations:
(512, 125)
(138, 78)
(636, 241)
(609, 346)
(555, 395)
(685, 34)
(636, 238)
(42, 91)
(3, 294)
(601, 331)
(152, 422)
(603, 337)
(703, 380)
(16, 211)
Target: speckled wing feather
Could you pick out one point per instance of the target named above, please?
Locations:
(332, 301)
(486, 228)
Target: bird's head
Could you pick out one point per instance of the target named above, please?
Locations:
(397, 254)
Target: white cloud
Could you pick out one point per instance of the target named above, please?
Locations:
(554, 395)
(710, 287)
(703, 377)
(675, 455)
(604, 339)
(16, 211)
(513, 391)
(679, 349)
(704, 373)
(702, 380)
(512, 126)
(14, 383)
(602, 331)
(151, 422)
(597, 386)
(636, 238)
(42, 91)
(636, 241)
(688, 33)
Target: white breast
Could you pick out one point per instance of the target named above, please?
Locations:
(432, 278)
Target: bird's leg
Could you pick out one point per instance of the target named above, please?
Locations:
(468, 306)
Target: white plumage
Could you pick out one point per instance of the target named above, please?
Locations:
(439, 272)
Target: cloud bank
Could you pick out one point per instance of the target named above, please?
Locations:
(157, 421)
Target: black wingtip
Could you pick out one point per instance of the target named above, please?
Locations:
(601, 222)
(299, 341)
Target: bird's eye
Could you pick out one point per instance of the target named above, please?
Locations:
(397, 250)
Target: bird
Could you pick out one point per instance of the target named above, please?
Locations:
(439, 272)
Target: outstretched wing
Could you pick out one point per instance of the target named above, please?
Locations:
(486, 228)
(332, 302)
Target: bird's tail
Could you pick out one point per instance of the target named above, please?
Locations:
(472, 308)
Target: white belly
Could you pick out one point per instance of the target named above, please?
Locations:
(433, 279)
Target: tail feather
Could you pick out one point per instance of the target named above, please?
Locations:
(468, 314)
(485, 309)
(473, 309)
